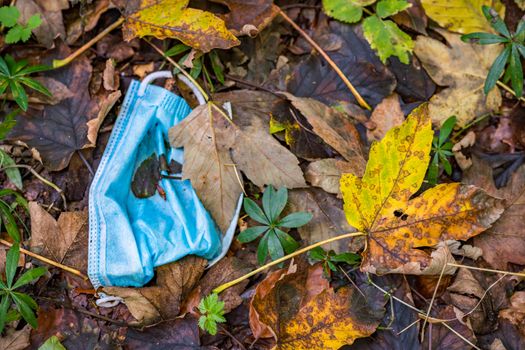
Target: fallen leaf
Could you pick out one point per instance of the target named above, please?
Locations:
(413, 17)
(16, 340)
(216, 148)
(413, 82)
(179, 334)
(248, 13)
(50, 11)
(334, 128)
(328, 219)
(516, 312)
(64, 240)
(141, 70)
(282, 293)
(387, 39)
(163, 301)
(326, 173)
(87, 21)
(110, 77)
(504, 242)
(462, 16)
(105, 104)
(467, 141)
(58, 90)
(60, 130)
(439, 337)
(174, 19)
(385, 116)
(396, 226)
(316, 79)
(463, 68)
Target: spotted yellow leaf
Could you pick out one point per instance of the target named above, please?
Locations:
(398, 227)
(462, 16)
(163, 19)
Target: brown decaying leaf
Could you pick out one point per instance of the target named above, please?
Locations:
(216, 148)
(385, 116)
(51, 14)
(516, 312)
(245, 14)
(334, 128)
(105, 104)
(60, 130)
(87, 21)
(326, 173)
(413, 17)
(16, 339)
(328, 219)
(64, 240)
(463, 68)
(174, 282)
(442, 338)
(504, 243)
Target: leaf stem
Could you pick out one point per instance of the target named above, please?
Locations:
(227, 285)
(86, 46)
(334, 66)
(47, 261)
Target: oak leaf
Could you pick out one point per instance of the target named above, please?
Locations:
(462, 16)
(164, 19)
(463, 68)
(397, 227)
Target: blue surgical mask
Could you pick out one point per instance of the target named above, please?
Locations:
(130, 236)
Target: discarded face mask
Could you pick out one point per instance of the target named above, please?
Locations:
(160, 220)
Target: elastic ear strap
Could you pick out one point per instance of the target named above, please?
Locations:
(167, 74)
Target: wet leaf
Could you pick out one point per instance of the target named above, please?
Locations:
(248, 17)
(462, 68)
(316, 79)
(334, 128)
(442, 338)
(146, 177)
(462, 16)
(64, 240)
(163, 301)
(413, 82)
(60, 130)
(503, 242)
(174, 19)
(398, 227)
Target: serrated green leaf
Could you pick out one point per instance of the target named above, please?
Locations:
(349, 11)
(12, 173)
(496, 69)
(34, 21)
(387, 39)
(516, 71)
(251, 233)
(9, 15)
(386, 8)
(295, 220)
(252, 209)
(11, 263)
(317, 254)
(274, 202)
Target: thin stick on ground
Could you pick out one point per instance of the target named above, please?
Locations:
(519, 274)
(227, 285)
(432, 302)
(86, 46)
(334, 66)
(47, 261)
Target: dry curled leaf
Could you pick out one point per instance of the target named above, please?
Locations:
(397, 227)
(248, 17)
(326, 173)
(385, 116)
(164, 19)
(463, 68)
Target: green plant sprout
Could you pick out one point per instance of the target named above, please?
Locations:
(330, 259)
(274, 241)
(13, 76)
(212, 312)
(509, 57)
(441, 150)
(9, 16)
(23, 302)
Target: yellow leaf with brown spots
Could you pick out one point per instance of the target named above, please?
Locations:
(173, 19)
(398, 228)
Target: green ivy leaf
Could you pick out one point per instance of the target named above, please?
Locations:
(387, 39)
(349, 11)
(9, 15)
(386, 8)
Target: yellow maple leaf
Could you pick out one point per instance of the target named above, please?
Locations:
(397, 227)
(462, 16)
(163, 19)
